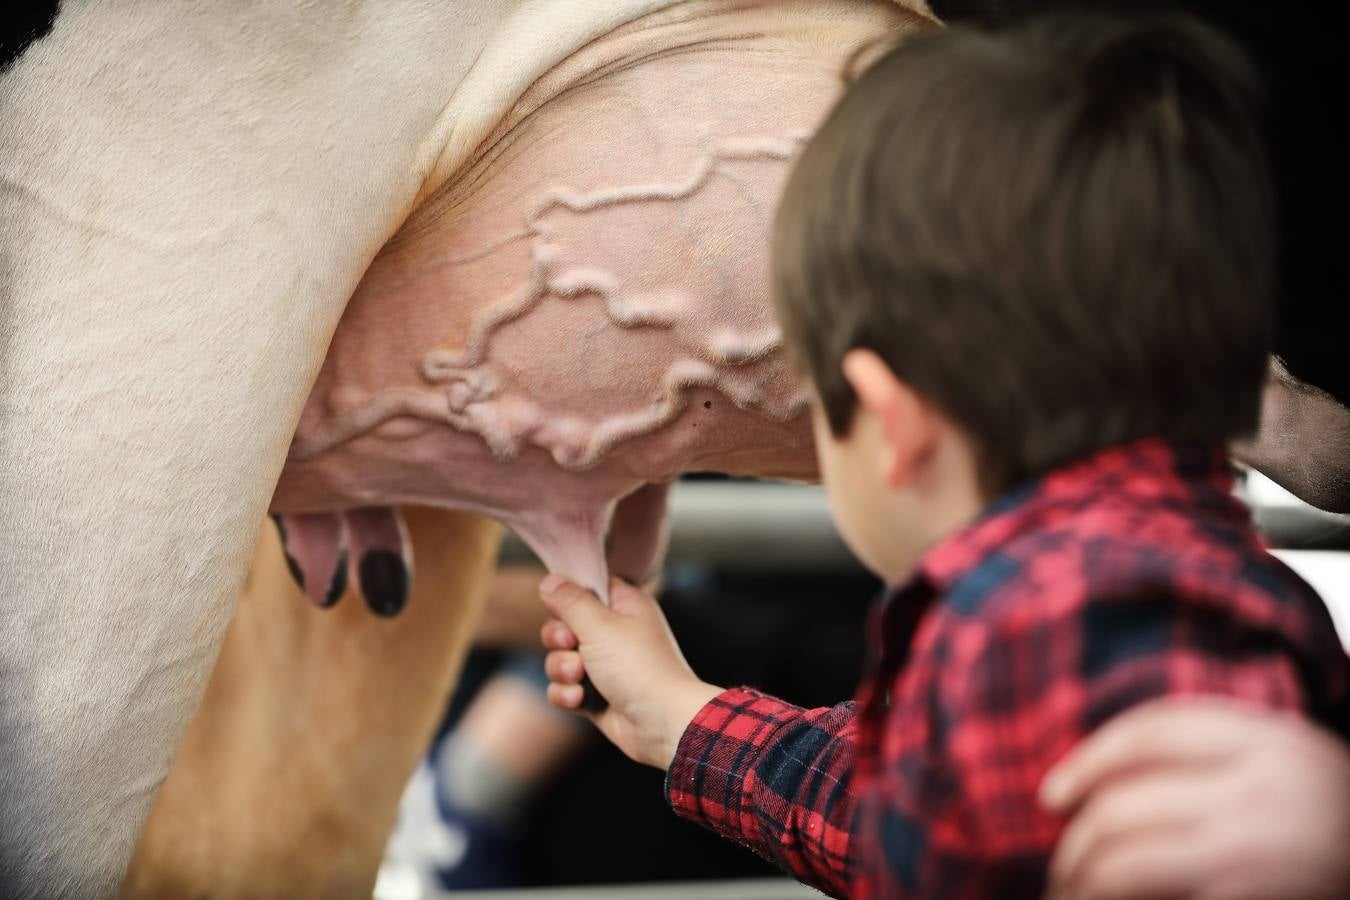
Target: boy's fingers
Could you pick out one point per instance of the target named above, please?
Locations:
(564, 667)
(565, 696)
(1162, 732)
(557, 636)
(578, 608)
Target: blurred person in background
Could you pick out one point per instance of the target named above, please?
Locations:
(462, 820)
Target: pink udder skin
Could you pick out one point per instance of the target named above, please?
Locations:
(584, 313)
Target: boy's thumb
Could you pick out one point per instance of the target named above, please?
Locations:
(579, 609)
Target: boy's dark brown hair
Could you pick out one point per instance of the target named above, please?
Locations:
(1061, 234)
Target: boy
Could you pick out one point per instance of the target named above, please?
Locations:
(1029, 276)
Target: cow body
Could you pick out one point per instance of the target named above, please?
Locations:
(571, 308)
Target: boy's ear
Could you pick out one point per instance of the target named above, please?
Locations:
(907, 425)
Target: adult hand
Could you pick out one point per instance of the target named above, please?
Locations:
(1203, 799)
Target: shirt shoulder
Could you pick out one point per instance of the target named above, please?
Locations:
(1128, 600)
(1070, 560)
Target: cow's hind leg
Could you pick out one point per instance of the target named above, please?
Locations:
(289, 779)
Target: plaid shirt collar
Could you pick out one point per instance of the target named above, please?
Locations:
(1185, 476)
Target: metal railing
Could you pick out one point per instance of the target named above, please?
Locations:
(747, 526)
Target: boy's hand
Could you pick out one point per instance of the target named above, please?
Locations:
(1186, 799)
(631, 658)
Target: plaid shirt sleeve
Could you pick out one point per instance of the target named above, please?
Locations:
(774, 777)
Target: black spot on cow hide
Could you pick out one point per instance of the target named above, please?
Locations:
(22, 24)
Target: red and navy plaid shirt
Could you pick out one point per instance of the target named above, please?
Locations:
(1128, 576)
